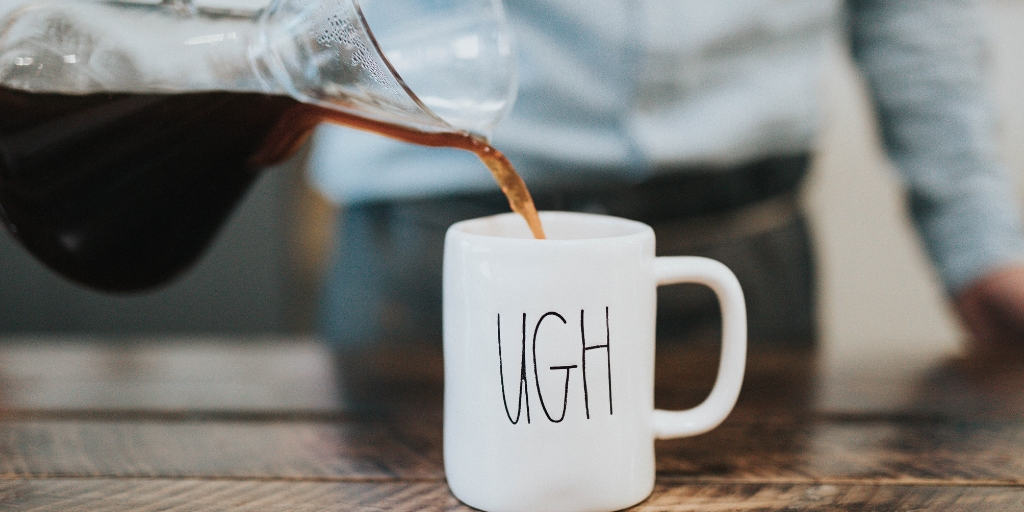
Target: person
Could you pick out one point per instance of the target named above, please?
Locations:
(698, 118)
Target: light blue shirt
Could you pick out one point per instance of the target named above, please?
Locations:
(618, 91)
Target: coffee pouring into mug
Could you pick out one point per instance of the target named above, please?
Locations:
(130, 129)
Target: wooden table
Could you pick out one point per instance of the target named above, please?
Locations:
(270, 424)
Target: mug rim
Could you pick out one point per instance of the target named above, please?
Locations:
(510, 227)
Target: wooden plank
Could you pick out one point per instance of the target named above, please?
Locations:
(77, 495)
(769, 497)
(410, 447)
(175, 374)
(843, 451)
(899, 385)
(258, 376)
(269, 376)
(367, 449)
(86, 495)
(823, 450)
(303, 377)
(921, 384)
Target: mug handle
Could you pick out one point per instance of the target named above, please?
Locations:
(713, 410)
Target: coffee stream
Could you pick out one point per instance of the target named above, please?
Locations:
(123, 191)
(504, 173)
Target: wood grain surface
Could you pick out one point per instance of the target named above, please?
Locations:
(272, 425)
(988, 453)
(88, 495)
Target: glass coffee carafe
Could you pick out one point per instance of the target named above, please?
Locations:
(129, 129)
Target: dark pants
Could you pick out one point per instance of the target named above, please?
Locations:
(385, 284)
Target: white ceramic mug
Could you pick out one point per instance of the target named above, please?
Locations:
(549, 361)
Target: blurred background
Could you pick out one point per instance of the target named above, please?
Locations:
(262, 275)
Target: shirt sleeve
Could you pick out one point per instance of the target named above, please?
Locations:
(923, 61)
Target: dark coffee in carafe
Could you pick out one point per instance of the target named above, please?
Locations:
(123, 192)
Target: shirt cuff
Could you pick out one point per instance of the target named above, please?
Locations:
(975, 229)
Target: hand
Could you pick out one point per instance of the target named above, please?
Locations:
(992, 309)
